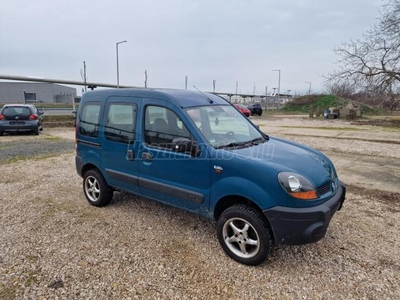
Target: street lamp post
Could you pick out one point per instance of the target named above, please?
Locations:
(309, 87)
(279, 84)
(274, 93)
(116, 45)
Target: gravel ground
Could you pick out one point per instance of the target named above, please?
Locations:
(13, 147)
(54, 245)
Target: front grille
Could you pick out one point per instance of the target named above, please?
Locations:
(323, 189)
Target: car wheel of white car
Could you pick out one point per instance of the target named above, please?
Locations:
(244, 234)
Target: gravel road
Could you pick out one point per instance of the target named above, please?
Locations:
(32, 147)
(54, 245)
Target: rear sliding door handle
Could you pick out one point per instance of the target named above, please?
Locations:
(130, 155)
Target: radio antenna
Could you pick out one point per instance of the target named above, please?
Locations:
(209, 100)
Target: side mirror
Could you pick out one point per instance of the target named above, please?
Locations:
(40, 112)
(183, 145)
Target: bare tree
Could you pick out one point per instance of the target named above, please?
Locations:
(374, 61)
(341, 89)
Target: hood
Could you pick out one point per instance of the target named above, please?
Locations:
(286, 156)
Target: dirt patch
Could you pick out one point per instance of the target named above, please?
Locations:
(383, 196)
(379, 122)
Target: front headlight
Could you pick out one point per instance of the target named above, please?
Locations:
(297, 186)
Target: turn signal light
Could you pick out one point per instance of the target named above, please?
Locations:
(2, 117)
(33, 117)
(305, 195)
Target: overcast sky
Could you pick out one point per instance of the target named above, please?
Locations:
(226, 40)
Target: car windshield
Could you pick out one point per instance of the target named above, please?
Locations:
(224, 127)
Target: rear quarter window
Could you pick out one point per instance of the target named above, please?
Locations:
(89, 118)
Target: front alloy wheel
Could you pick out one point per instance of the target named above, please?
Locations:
(241, 238)
(244, 234)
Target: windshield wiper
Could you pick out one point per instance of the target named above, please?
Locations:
(253, 142)
(230, 145)
(257, 141)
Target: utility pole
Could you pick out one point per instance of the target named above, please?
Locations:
(273, 103)
(236, 91)
(84, 74)
(309, 87)
(186, 81)
(84, 78)
(279, 84)
(266, 97)
(214, 85)
(145, 79)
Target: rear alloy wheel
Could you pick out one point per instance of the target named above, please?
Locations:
(244, 235)
(96, 189)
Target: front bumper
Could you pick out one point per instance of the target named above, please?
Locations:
(297, 226)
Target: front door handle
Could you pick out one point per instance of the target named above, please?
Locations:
(147, 156)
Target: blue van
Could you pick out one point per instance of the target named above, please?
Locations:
(195, 151)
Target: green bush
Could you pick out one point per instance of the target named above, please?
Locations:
(303, 104)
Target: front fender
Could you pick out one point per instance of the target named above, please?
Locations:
(238, 186)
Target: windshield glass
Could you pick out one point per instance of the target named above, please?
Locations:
(224, 127)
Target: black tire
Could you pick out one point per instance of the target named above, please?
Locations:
(96, 189)
(36, 131)
(1, 133)
(244, 234)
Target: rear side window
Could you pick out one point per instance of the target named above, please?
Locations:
(120, 124)
(162, 126)
(89, 120)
